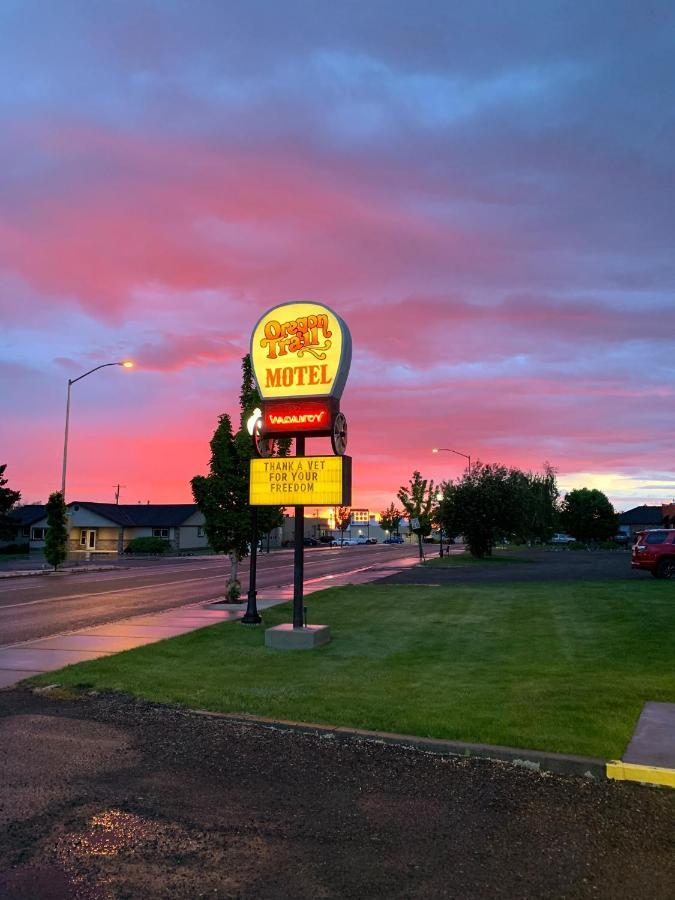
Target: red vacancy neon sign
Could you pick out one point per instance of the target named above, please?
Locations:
(292, 416)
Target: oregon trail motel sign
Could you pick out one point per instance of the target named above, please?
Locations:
(301, 353)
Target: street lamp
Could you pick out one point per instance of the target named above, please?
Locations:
(448, 450)
(126, 364)
(439, 500)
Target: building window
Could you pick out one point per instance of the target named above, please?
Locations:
(83, 538)
(160, 532)
(200, 531)
(25, 531)
(38, 534)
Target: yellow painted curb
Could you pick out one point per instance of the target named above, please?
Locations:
(621, 771)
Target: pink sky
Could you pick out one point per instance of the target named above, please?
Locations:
(485, 198)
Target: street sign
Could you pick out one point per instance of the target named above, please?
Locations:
(301, 481)
(415, 524)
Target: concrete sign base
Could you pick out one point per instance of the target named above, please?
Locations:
(285, 637)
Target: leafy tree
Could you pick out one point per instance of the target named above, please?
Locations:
(445, 514)
(588, 515)
(343, 516)
(489, 503)
(390, 519)
(56, 539)
(542, 508)
(8, 499)
(417, 500)
(222, 497)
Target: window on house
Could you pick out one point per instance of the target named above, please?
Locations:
(38, 534)
(160, 532)
(83, 538)
(25, 531)
(200, 531)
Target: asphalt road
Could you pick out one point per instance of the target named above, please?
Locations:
(104, 798)
(42, 605)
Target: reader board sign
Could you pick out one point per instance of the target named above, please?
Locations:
(301, 481)
(301, 349)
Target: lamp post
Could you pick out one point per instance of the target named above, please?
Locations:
(126, 364)
(439, 500)
(448, 450)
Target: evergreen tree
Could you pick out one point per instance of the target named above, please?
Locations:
(222, 497)
(249, 396)
(56, 539)
(418, 500)
(8, 499)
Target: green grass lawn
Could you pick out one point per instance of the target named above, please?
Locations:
(550, 666)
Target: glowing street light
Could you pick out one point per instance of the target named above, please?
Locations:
(448, 450)
(126, 364)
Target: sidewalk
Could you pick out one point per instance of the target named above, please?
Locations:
(19, 661)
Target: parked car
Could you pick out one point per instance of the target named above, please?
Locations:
(654, 551)
(561, 538)
(393, 539)
(371, 541)
(310, 542)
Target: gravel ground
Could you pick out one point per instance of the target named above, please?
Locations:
(103, 797)
(541, 565)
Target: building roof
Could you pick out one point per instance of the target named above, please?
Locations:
(641, 515)
(139, 515)
(26, 515)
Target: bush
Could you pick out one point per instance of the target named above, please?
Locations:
(15, 548)
(148, 545)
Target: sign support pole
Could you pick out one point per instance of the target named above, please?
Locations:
(299, 558)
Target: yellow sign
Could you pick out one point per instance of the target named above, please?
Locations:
(301, 481)
(301, 349)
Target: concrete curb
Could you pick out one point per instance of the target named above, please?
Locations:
(30, 573)
(535, 760)
(652, 775)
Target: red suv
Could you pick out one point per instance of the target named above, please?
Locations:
(654, 550)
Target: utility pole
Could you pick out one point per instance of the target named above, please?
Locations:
(117, 491)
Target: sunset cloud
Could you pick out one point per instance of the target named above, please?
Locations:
(486, 197)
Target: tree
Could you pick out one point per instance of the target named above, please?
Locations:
(487, 504)
(418, 500)
(542, 512)
(222, 497)
(390, 519)
(343, 516)
(8, 499)
(445, 514)
(588, 515)
(56, 539)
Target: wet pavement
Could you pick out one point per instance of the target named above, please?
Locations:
(104, 797)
